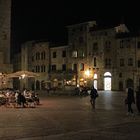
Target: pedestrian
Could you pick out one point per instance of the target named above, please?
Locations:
(21, 100)
(93, 96)
(138, 99)
(130, 100)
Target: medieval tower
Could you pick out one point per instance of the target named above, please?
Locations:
(5, 38)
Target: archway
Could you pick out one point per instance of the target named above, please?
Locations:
(107, 81)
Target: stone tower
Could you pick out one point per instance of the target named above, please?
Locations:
(5, 41)
(5, 35)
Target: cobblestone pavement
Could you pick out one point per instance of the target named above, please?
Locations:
(71, 118)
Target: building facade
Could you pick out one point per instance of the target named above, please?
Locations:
(108, 58)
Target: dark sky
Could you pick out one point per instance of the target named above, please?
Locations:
(47, 19)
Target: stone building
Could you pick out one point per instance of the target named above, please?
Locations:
(5, 40)
(106, 57)
(50, 62)
(110, 55)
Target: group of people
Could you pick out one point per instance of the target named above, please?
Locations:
(19, 99)
(131, 99)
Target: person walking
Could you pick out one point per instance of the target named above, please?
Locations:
(138, 99)
(130, 100)
(93, 96)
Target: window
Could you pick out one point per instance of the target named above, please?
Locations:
(81, 40)
(121, 44)
(43, 68)
(64, 67)
(81, 67)
(95, 46)
(37, 68)
(121, 62)
(80, 53)
(138, 45)
(43, 55)
(53, 67)
(32, 58)
(107, 45)
(120, 75)
(107, 62)
(130, 62)
(63, 53)
(37, 56)
(75, 67)
(54, 54)
(138, 63)
(128, 43)
(74, 54)
(94, 61)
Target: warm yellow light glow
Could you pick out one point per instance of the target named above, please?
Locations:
(81, 79)
(23, 76)
(95, 76)
(85, 82)
(87, 73)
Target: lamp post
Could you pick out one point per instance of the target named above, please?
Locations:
(22, 77)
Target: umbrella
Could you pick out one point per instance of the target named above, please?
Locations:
(22, 74)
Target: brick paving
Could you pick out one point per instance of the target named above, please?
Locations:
(71, 118)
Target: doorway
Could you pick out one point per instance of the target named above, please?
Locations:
(107, 81)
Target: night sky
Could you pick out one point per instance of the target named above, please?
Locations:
(47, 19)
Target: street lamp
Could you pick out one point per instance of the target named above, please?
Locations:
(87, 73)
(22, 77)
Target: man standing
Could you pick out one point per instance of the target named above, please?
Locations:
(138, 99)
(93, 95)
(130, 99)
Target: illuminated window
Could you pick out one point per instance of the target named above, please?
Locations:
(74, 54)
(81, 53)
(95, 76)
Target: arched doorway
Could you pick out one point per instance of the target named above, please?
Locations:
(107, 81)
